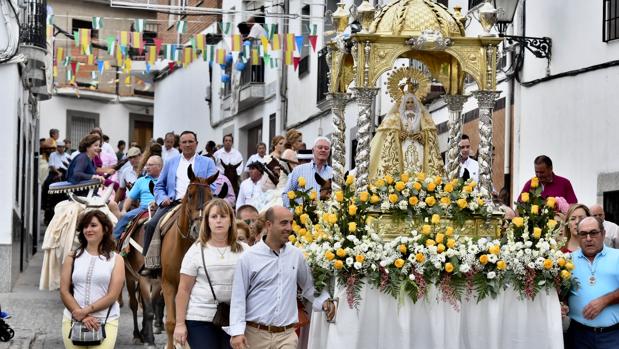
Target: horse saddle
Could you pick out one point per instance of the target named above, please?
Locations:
(68, 187)
(132, 227)
(166, 221)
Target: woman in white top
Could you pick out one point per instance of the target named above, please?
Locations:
(195, 303)
(91, 280)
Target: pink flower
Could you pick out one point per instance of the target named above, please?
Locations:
(562, 205)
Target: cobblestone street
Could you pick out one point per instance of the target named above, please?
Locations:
(37, 315)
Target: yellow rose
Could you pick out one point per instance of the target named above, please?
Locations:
(565, 274)
(421, 176)
(338, 264)
(393, 198)
(413, 201)
(436, 219)
(389, 179)
(402, 248)
(417, 186)
(404, 177)
(305, 218)
(501, 265)
(451, 243)
(291, 195)
(339, 196)
(462, 203)
(329, 255)
(399, 186)
(524, 197)
(449, 231)
(534, 209)
(561, 262)
(325, 217)
(379, 183)
(481, 201)
(426, 229)
(399, 263)
(292, 238)
(431, 186)
(547, 263)
(473, 184)
(430, 201)
(551, 201)
(359, 258)
(518, 221)
(551, 224)
(374, 199)
(419, 257)
(332, 218)
(438, 180)
(352, 210)
(468, 188)
(312, 195)
(439, 237)
(301, 182)
(340, 252)
(569, 266)
(483, 259)
(308, 238)
(298, 210)
(445, 200)
(364, 196)
(495, 249)
(448, 187)
(440, 248)
(430, 242)
(534, 182)
(449, 267)
(350, 180)
(352, 227)
(537, 232)
(302, 231)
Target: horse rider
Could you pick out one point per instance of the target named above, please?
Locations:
(141, 192)
(173, 182)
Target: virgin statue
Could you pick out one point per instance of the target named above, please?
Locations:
(406, 141)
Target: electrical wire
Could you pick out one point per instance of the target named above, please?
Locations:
(13, 40)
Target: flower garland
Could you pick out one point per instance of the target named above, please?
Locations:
(341, 245)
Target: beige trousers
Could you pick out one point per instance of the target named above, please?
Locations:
(261, 339)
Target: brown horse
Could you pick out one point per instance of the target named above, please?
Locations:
(233, 176)
(179, 238)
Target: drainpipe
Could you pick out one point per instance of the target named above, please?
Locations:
(283, 76)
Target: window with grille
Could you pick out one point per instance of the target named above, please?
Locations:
(79, 124)
(611, 20)
(304, 62)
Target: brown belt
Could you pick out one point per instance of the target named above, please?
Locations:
(271, 329)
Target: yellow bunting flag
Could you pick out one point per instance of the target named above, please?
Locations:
(91, 59)
(152, 54)
(106, 65)
(55, 71)
(136, 40)
(200, 42)
(220, 56)
(275, 45)
(255, 58)
(84, 38)
(124, 38)
(289, 42)
(288, 57)
(59, 55)
(127, 65)
(236, 42)
(265, 43)
(119, 57)
(187, 56)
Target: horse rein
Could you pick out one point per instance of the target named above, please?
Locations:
(201, 204)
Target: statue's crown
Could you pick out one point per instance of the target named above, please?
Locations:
(410, 86)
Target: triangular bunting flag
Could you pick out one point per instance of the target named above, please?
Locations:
(124, 39)
(111, 44)
(236, 43)
(225, 27)
(181, 27)
(296, 61)
(221, 56)
(299, 41)
(289, 42)
(59, 55)
(91, 59)
(187, 56)
(312, 39)
(275, 45)
(210, 53)
(255, 58)
(76, 38)
(171, 66)
(158, 43)
(100, 66)
(288, 58)
(138, 25)
(152, 55)
(97, 23)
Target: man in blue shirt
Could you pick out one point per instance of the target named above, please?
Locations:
(139, 192)
(594, 301)
(319, 165)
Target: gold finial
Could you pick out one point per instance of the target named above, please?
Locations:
(458, 14)
(340, 16)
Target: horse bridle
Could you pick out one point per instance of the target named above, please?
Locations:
(201, 204)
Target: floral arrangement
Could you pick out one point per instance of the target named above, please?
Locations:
(342, 245)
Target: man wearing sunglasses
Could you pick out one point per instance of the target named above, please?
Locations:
(594, 301)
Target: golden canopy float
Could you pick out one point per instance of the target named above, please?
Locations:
(423, 31)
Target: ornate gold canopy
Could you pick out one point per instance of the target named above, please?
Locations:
(417, 29)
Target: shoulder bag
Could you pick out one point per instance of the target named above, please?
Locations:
(222, 315)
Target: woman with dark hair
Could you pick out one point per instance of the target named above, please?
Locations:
(92, 279)
(217, 250)
(83, 167)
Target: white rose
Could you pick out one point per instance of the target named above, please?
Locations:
(464, 268)
(412, 277)
(357, 265)
(491, 275)
(349, 261)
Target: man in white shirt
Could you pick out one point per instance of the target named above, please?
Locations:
(229, 156)
(469, 168)
(127, 175)
(612, 230)
(261, 151)
(263, 308)
(168, 150)
(250, 188)
(59, 160)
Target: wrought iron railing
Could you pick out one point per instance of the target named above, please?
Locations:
(33, 25)
(252, 74)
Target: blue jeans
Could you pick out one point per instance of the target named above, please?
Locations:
(580, 338)
(203, 334)
(124, 220)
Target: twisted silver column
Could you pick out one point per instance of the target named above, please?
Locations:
(486, 102)
(365, 98)
(338, 146)
(454, 106)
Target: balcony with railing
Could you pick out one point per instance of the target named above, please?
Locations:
(33, 45)
(251, 84)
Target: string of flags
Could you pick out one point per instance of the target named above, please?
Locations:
(271, 49)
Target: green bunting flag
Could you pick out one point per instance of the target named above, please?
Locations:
(97, 23)
(138, 25)
(181, 27)
(50, 19)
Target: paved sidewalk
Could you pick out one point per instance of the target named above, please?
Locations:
(37, 315)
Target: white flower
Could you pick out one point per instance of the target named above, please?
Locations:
(357, 265)
(464, 268)
(349, 261)
(492, 258)
(403, 205)
(384, 206)
(412, 277)
(491, 275)
(383, 263)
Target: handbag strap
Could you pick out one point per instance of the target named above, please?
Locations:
(206, 272)
(71, 285)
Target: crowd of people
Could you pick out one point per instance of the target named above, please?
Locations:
(242, 256)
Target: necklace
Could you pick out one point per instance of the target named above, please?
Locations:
(222, 255)
(592, 266)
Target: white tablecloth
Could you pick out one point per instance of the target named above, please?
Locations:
(381, 322)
